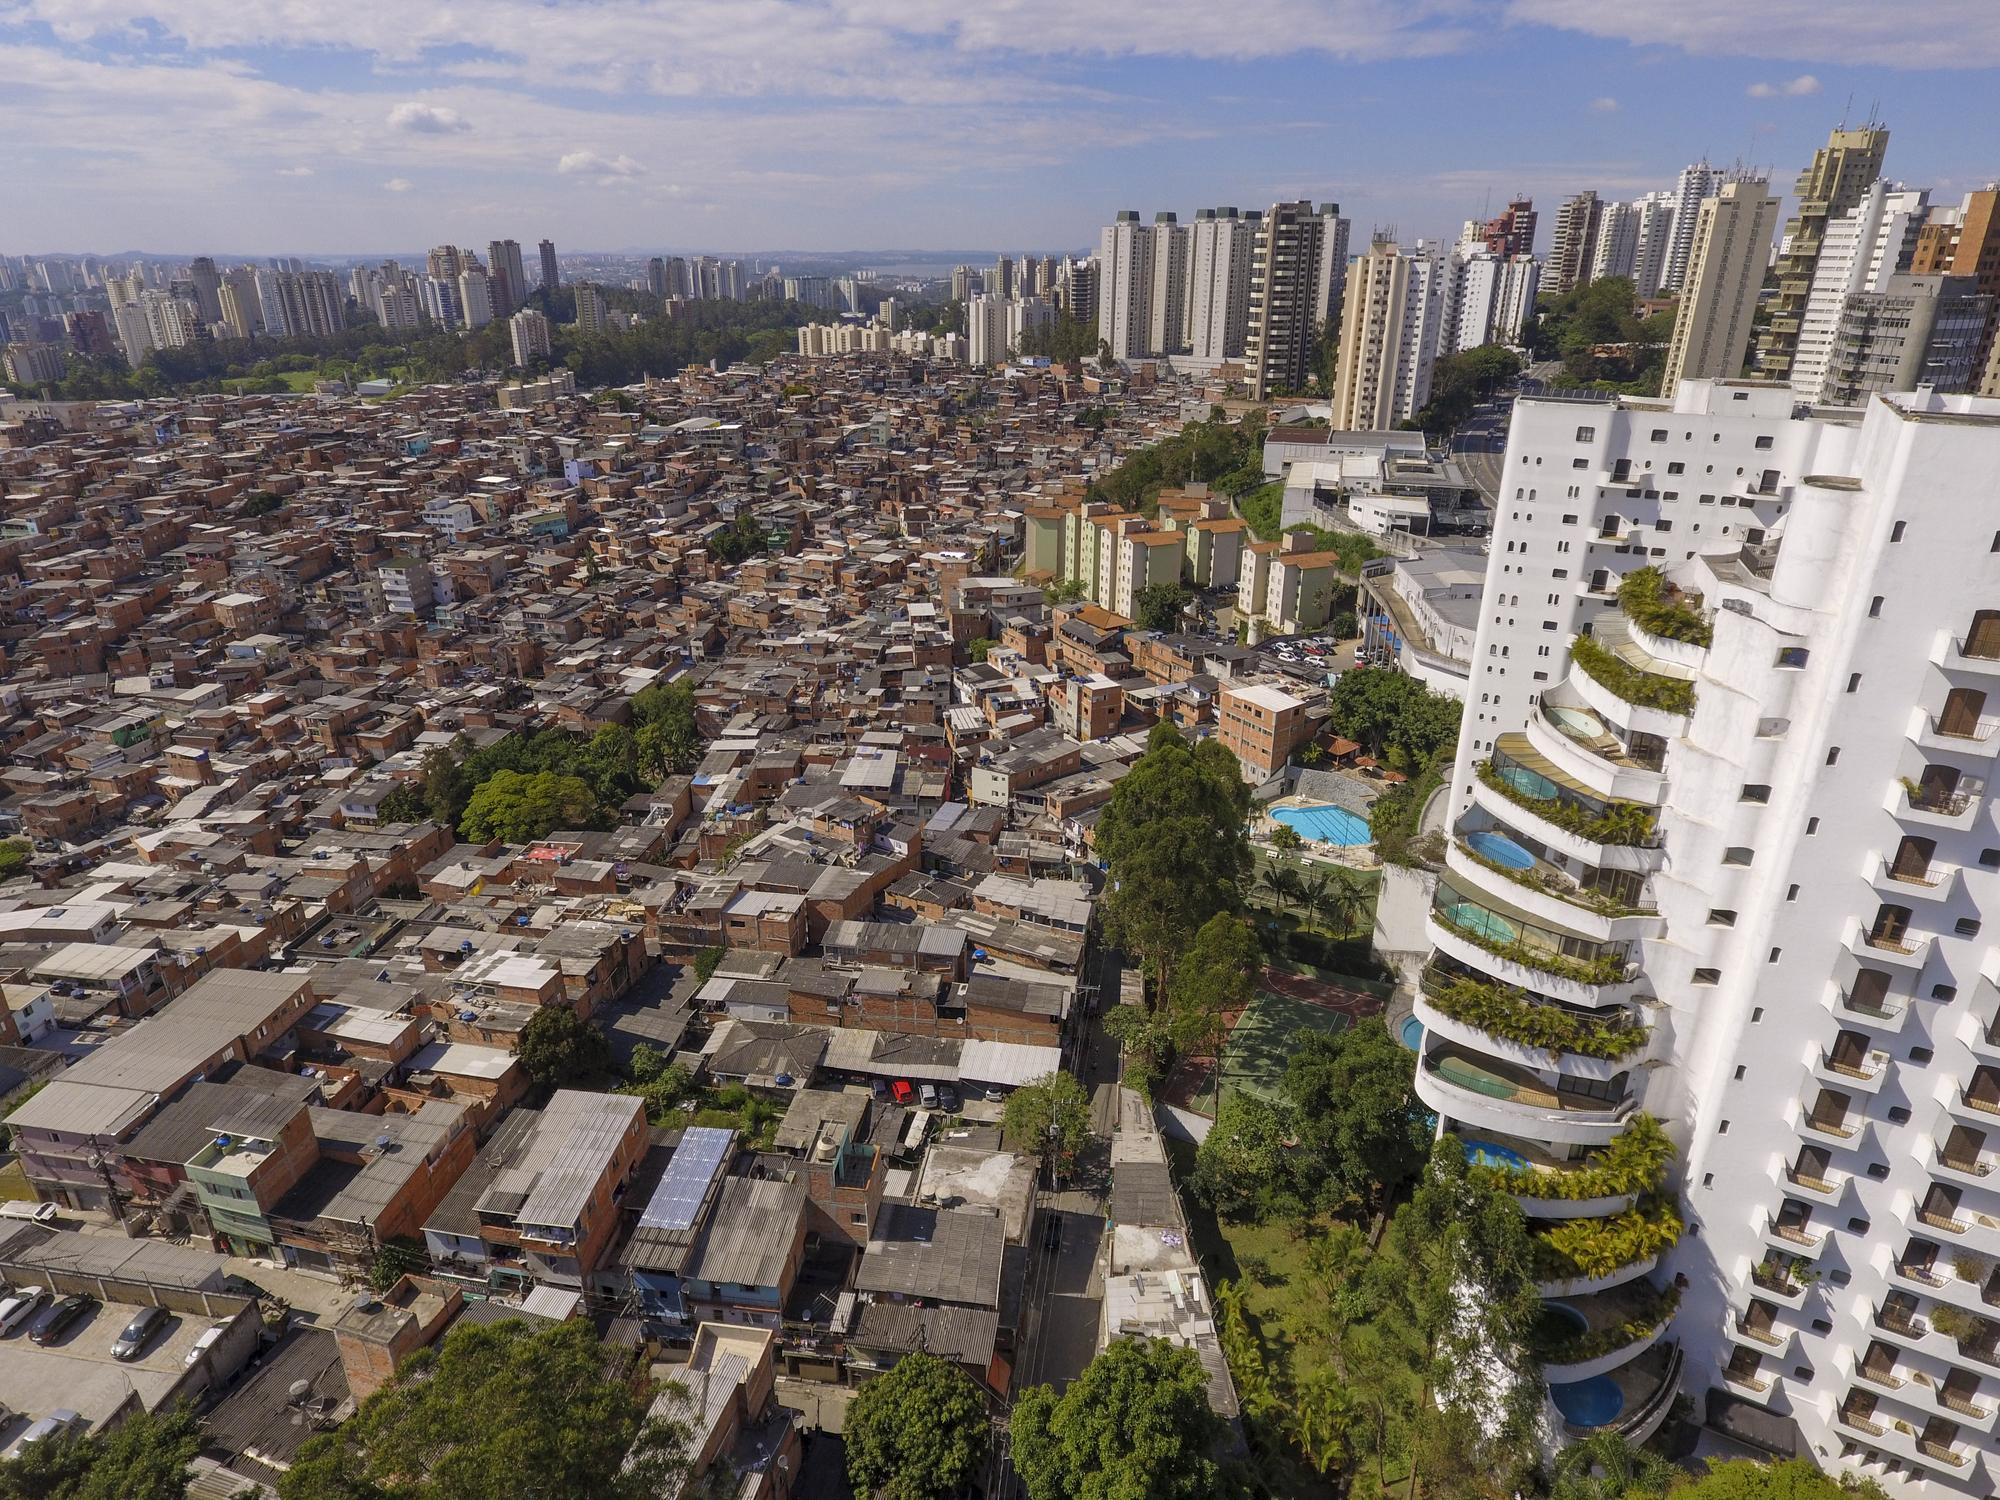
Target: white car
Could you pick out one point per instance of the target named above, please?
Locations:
(206, 1342)
(20, 1307)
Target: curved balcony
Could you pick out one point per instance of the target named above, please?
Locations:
(1523, 788)
(1578, 743)
(1527, 1029)
(1646, 1387)
(1578, 1286)
(1625, 685)
(1937, 882)
(1448, 938)
(1492, 861)
(1579, 1337)
(1488, 1094)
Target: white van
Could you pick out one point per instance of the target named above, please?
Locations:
(34, 1213)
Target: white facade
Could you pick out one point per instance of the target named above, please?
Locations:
(1859, 252)
(1168, 313)
(1652, 241)
(528, 331)
(1695, 183)
(1222, 246)
(475, 297)
(1777, 868)
(1489, 298)
(1616, 248)
(1125, 287)
(1732, 244)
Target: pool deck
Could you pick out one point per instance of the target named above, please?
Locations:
(1352, 856)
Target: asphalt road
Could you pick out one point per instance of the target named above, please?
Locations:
(1480, 444)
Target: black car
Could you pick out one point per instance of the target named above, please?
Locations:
(139, 1333)
(55, 1320)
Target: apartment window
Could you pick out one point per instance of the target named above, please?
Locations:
(1676, 468)
(1859, 1226)
(1899, 1115)
(1764, 441)
(1569, 520)
(1854, 682)
(1875, 608)
(1812, 827)
(1966, 927)
(1659, 434)
(1663, 524)
(1989, 859)
(1754, 792)
(1755, 1015)
(1741, 1069)
(1586, 434)
(1714, 976)
(1833, 755)
(1708, 1179)
(1920, 1054)
(1738, 854)
(1878, 1170)
(1721, 916)
(1579, 463)
(1896, 532)
(1776, 954)
(1791, 893)
(1791, 658)
(1723, 1128)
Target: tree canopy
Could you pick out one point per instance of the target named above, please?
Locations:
(1793, 1479)
(1174, 837)
(518, 808)
(1159, 605)
(558, 1047)
(1229, 455)
(148, 1456)
(1459, 382)
(1050, 1116)
(498, 1409)
(916, 1433)
(1357, 1117)
(1393, 716)
(1135, 1425)
(1241, 1167)
(1597, 332)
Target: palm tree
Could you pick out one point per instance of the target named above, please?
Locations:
(1346, 901)
(1281, 881)
(1314, 892)
(1606, 1467)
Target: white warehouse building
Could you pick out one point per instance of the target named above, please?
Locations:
(1718, 856)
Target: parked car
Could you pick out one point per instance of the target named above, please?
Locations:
(59, 1317)
(947, 1096)
(54, 1424)
(901, 1090)
(34, 1213)
(927, 1095)
(139, 1333)
(20, 1307)
(209, 1339)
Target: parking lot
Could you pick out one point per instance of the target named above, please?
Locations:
(78, 1372)
(1309, 657)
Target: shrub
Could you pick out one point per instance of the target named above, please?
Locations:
(1627, 824)
(1503, 1010)
(1634, 1163)
(1660, 609)
(1620, 678)
(1574, 1249)
(1571, 1345)
(1606, 968)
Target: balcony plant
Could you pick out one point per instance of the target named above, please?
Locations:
(1623, 680)
(1634, 1163)
(1606, 968)
(1660, 609)
(1570, 1345)
(1627, 824)
(1537, 878)
(1506, 1011)
(1579, 1249)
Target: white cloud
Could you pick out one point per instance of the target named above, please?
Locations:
(399, 184)
(295, 171)
(1791, 88)
(427, 119)
(1845, 33)
(1604, 105)
(591, 164)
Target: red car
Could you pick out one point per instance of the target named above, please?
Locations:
(900, 1089)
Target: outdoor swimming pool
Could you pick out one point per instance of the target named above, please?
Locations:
(1589, 1403)
(1412, 1033)
(1500, 849)
(1492, 1154)
(1326, 825)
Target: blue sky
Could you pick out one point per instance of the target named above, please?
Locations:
(356, 126)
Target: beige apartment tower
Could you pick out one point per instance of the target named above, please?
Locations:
(1371, 339)
(1840, 173)
(1732, 241)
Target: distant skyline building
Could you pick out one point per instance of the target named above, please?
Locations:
(551, 276)
(1513, 232)
(1125, 286)
(1830, 186)
(508, 281)
(1574, 243)
(1732, 240)
(1860, 251)
(1697, 181)
(1292, 268)
(592, 313)
(528, 331)
(1222, 247)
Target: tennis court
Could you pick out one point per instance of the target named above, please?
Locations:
(1265, 1038)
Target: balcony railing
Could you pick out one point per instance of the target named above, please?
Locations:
(1886, 943)
(1909, 1327)
(1761, 1335)
(1945, 1222)
(1978, 733)
(1805, 1180)
(1796, 1234)
(1971, 1166)
(1862, 1424)
(1870, 1066)
(1984, 1106)
(1941, 1452)
(1881, 1375)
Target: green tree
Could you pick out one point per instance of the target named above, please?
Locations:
(916, 1433)
(1793, 1479)
(1391, 714)
(498, 1409)
(1241, 1168)
(15, 855)
(1607, 1467)
(518, 809)
(979, 646)
(1050, 1116)
(1357, 1116)
(1159, 605)
(148, 1456)
(1135, 1425)
(558, 1047)
(1216, 975)
(404, 804)
(1459, 382)
(1174, 837)
(1063, 591)
(1287, 839)
(665, 1086)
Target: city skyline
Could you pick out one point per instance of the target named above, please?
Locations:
(837, 127)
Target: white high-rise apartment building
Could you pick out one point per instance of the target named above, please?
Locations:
(1168, 312)
(1732, 245)
(1125, 286)
(986, 328)
(528, 331)
(1652, 241)
(1695, 183)
(1392, 318)
(1616, 249)
(475, 297)
(1489, 298)
(1222, 247)
(1859, 252)
(1725, 868)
